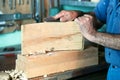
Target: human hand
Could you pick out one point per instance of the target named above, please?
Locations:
(66, 15)
(86, 26)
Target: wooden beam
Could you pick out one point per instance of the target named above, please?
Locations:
(54, 62)
(51, 36)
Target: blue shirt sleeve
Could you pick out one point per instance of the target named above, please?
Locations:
(101, 10)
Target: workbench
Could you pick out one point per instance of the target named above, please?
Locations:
(72, 74)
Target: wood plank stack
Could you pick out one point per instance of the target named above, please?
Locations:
(53, 47)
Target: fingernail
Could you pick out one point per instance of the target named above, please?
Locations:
(60, 19)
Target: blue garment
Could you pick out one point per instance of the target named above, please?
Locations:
(108, 11)
(113, 72)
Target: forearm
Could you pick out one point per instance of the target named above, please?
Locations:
(107, 40)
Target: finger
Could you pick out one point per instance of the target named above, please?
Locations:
(83, 20)
(59, 15)
(63, 19)
(79, 20)
(76, 20)
(88, 16)
(85, 24)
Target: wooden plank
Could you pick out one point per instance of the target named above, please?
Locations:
(54, 62)
(51, 36)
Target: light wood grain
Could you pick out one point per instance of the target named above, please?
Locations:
(54, 62)
(51, 36)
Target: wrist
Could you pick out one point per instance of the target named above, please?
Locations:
(93, 37)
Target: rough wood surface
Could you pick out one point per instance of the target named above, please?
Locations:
(51, 36)
(54, 62)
